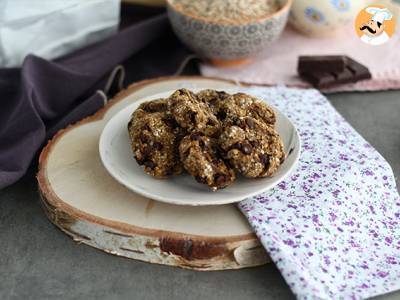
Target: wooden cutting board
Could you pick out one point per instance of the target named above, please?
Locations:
(85, 202)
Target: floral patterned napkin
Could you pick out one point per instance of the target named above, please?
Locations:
(332, 228)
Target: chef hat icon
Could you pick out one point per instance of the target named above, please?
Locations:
(379, 14)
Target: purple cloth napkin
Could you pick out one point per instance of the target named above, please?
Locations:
(333, 226)
(45, 96)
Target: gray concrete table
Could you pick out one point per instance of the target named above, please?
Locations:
(38, 261)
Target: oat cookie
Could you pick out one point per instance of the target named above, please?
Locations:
(209, 134)
(200, 159)
(192, 114)
(253, 148)
(155, 140)
(242, 105)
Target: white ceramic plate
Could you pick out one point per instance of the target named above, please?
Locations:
(117, 158)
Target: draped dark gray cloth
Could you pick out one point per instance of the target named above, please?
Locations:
(44, 96)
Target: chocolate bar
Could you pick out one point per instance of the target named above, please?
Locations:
(323, 63)
(352, 72)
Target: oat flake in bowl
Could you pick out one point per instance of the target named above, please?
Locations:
(232, 11)
(228, 32)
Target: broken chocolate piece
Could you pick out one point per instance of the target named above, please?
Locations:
(327, 63)
(360, 71)
(149, 164)
(352, 72)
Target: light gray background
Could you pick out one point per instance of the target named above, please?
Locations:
(38, 261)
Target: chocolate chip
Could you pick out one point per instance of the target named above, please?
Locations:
(143, 138)
(159, 107)
(237, 146)
(215, 161)
(146, 127)
(218, 152)
(157, 146)
(221, 115)
(210, 122)
(202, 144)
(229, 164)
(169, 172)
(192, 116)
(264, 159)
(150, 164)
(176, 151)
(255, 143)
(246, 149)
(213, 101)
(146, 151)
(219, 179)
(140, 160)
(200, 179)
(250, 123)
(195, 137)
(171, 122)
(222, 94)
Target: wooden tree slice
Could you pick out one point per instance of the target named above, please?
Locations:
(84, 201)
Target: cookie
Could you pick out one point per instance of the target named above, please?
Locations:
(242, 105)
(192, 114)
(209, 134)
(199, 155)
(212, 97)
(155, 140)
(253, 148)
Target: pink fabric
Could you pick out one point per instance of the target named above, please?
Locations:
(278, 64)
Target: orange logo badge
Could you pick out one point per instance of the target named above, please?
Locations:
(375, 25)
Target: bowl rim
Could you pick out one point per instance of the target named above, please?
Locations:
(280, 11)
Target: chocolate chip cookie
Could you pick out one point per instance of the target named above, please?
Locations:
(155, 140)
(210, 135)
(200, 158)
(253, 148)
(242, 105)
(192, 114)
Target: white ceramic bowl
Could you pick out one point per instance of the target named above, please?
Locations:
(117, 158)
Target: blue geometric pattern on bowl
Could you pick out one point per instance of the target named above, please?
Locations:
(314, 15)
(341, 5)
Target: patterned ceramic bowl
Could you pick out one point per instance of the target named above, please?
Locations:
(228, 43)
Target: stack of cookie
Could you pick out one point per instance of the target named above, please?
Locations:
(212, 135)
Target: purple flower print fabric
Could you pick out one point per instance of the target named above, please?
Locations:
(332, 228)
